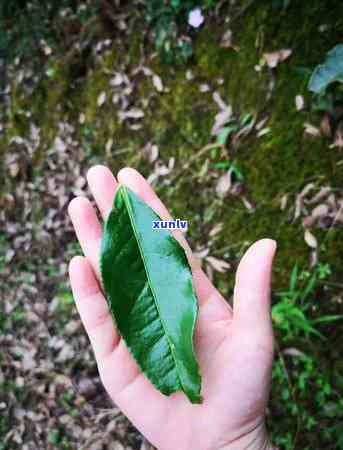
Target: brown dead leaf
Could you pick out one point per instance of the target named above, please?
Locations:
(220, 102)
(260, 125)
(283, 202)
(338, 142)
(307, 188)
(274, 58)
(299, 203)
(219, 265)
(204, 87)
(321, 195)
(7, 200)
(14, 169)
(309, 221)
(157, 82)
(117, 80)
(108, 146)
(314, 257)
(9, 255)
(133, 113)
(291, 351)
(320, 210)
(82, 118)
(224, 115)
(220, 120)
(299, 102)
(150, 152)
(226, 40)
(247, 203)
(216, 229)
(310, 239)
(101, 99)
(311, 129)
(325, 126)
(224, 184)
(331, 201)
(201, 253)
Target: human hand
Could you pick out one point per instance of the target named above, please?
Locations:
(234, 347)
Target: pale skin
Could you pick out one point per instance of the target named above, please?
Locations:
(234, 346)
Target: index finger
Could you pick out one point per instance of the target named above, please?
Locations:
(138, 184)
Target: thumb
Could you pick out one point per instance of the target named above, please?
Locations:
(251, 305)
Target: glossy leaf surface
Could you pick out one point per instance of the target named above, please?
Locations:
(148, 285)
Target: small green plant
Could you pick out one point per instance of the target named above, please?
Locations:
(290, 312)
(296, 372)
(234, 126)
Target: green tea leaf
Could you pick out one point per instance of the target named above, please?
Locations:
(330, 71)
(148, 284)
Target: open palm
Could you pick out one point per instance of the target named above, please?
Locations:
(234, 347)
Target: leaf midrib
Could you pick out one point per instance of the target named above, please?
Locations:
(130, 213)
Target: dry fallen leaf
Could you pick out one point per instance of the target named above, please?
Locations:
(220, 102)
(101, 99)
(311, 129)
(310, 239)
(150, 152)
(216, 229)
(117, 80)
(108, 146)
(325, 126)
(224, 184)
(218, 265)
(320, 210)
(291, 351)
(338, 142)
(14, 169)
(82, 118)
(226, 40)
(307, 188)
(322, 194)
(299, 102)
(9, 255)
(133, 113)
(157, 82)
(283, 202)
(331, 201)
(274, 58)
(204, 87)
(201, 253)
(189, 75)
(309, 221)
(249, 206)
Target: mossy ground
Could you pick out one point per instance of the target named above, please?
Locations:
(179, 121)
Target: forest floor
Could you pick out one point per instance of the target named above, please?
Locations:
(232, 141)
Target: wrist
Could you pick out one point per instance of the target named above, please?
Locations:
(256, 439)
